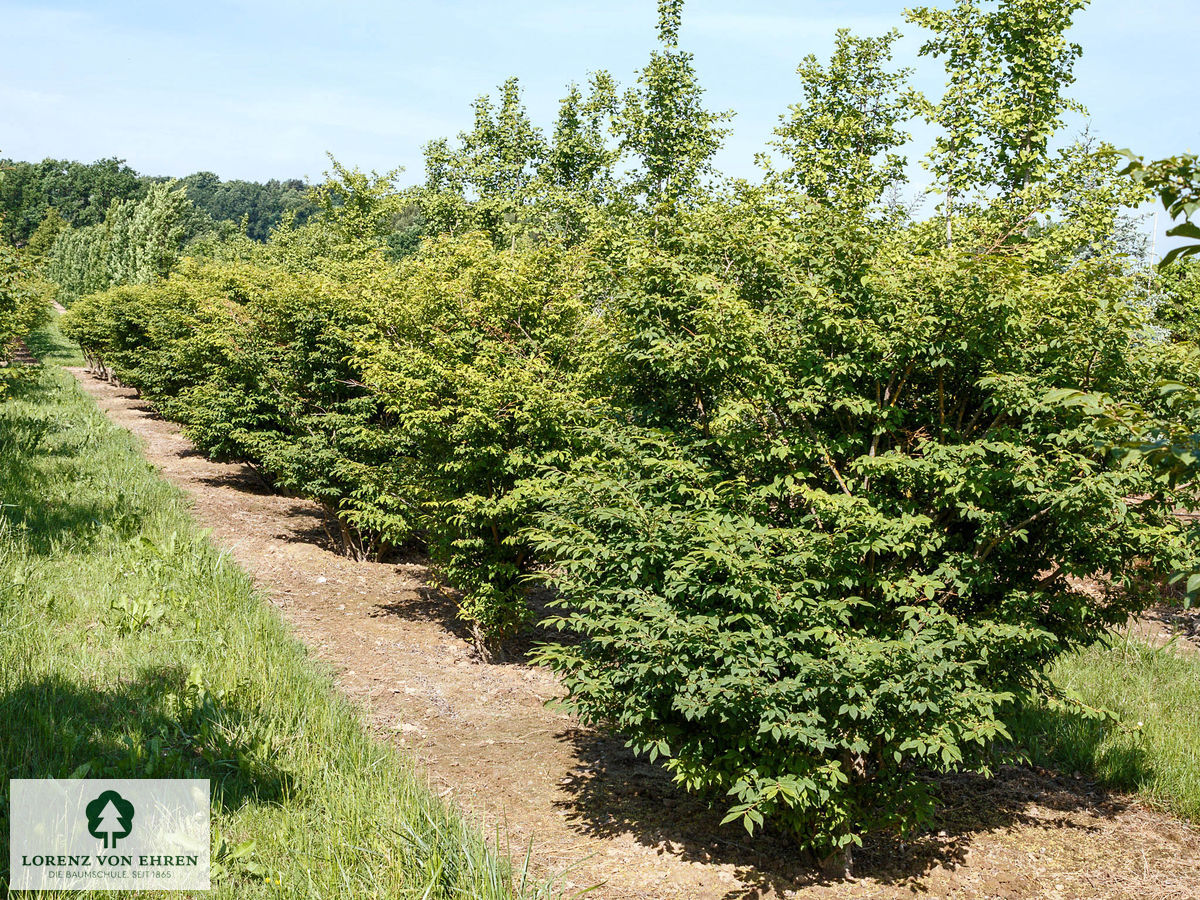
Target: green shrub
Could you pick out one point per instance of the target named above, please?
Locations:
(23, 303)
(845, 539)
(471, 360)
(410, 402)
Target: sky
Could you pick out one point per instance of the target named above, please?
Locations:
(262, 89)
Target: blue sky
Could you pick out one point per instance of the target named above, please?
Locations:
(259, 88)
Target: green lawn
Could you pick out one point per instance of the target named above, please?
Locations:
(1154, 750)
(131, 647)
(50, 345)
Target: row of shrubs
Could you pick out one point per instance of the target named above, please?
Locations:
(23, 302)
(410, 402)
(813, 521)
(807, 476)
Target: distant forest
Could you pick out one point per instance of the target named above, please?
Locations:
(81, 194)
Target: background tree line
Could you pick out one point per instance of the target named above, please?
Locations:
(54, 193)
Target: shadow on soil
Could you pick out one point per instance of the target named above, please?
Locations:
(243, 479)
(611, 792)
(1177, 620)
(309, 523)
(427, 604)
(440, 605)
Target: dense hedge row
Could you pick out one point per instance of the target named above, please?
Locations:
(811, 524)
(23, 300)
(795, 464)
(409, 401)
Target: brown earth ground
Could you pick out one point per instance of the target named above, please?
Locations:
(485, 736)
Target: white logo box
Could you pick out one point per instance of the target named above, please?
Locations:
(109, 834)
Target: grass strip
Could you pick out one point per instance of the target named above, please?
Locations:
(131, 647)
(1154, 748)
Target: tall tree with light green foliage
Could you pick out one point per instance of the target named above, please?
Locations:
(137, 243)
(1008, 63)
(486, 180)
(839, 144)
(579, 157)
(664, 127)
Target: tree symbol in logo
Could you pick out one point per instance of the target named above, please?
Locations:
(110, 816)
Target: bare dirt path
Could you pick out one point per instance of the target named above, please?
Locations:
(483, 733)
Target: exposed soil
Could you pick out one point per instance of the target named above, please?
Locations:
(20, 356)
(1173, 625)
(485, 736)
